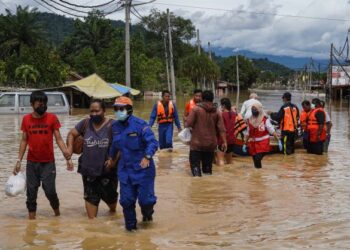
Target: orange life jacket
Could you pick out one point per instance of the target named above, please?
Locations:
(161, 116)
(240, 126)
(289, 122)
(189, 106)
(313, 126)
(303, 119)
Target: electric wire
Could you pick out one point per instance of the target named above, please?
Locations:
(63, 11)
(88, 6)
(68, 7)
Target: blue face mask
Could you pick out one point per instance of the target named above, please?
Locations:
(121, 115)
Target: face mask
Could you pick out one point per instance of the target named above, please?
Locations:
(255, 113)
(121, 115)
(40, 110)
(97, 119)
(313, 106)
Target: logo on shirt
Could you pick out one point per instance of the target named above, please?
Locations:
(90, 142)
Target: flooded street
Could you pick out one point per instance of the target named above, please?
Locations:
(293, 202)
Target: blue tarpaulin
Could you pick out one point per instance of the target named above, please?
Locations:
(124, 89)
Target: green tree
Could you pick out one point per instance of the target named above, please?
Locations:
(85, 62)
(3, 76)
(27, 73)
(21, 29)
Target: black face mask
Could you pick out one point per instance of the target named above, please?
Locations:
(41, 110)
(97, 119)
(255, 113)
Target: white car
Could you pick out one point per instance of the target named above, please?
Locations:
(19, 103)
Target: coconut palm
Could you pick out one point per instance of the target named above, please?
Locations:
(20, 29)
(27, 72)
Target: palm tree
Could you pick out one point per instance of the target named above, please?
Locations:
(20, 29)
(27, 72)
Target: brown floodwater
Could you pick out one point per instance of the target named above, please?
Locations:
(293, 202)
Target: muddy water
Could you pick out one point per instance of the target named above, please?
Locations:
(294, 202)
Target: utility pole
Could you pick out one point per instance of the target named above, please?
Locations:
(209, 49)
(237, 79)
(127, 43)
(167, 63)
(210, 58)
(198, 43)
(330, 78)
(172, 73)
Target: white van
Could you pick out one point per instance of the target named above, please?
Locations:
(19, 103)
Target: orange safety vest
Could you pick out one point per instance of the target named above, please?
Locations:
(313, 126)
(161, 116)
(189, 106)
(240, 126)
(303, 119)
(289, 122)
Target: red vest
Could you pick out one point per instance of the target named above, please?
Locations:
(260, 138)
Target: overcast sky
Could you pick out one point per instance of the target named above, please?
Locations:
(271, 34)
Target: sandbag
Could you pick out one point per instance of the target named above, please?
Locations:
(185, 135)
(15, 185)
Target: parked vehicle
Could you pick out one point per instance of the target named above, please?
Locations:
(19, 103)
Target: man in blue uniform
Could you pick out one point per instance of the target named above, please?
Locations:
(136, 143)
(166, 114)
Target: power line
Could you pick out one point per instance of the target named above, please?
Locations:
(68, 7)
(87, 6)
(63, 11)
(253, 12)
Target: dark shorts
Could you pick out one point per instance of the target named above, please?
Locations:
(100, 188)
(230, 148)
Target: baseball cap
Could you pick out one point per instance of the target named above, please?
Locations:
(122, 101)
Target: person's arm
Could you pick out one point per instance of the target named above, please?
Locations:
(153, 116)
(176, 118)
(222, 131)
(320, 117)
(22, 150)
(151, 146)
(278, 116)
(190, 120)
(271, 129)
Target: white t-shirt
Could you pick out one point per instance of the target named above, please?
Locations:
(328, 118)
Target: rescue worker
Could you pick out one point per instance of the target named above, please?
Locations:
(287, 117)
(239, 133)
(303, 121)
(166, 114)
(316, 127)
(197, 98)
(329, 126)
(135, 141)
(259, 130)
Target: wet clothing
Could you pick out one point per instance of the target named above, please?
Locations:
(201, 161)
(316, 142)
(257, 159)
(95, 149)
(229, 119)
(135, 140)
(206, 123)
(40, 136)
(165, 118)
(287, 117)
(100, 188)
(40, 173)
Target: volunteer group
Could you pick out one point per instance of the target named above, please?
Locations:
(122, 149)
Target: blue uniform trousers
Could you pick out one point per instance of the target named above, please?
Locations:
(165, 131)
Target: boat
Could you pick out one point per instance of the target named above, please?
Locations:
(305, 94)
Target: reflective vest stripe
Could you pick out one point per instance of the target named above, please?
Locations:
(262, 138)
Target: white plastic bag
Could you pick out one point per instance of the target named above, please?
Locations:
(15, 185)
(185, 135)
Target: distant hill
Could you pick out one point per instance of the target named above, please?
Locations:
(266, 65)
(59, 27)
(288, 61)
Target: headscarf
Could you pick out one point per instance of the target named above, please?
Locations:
(255, 121)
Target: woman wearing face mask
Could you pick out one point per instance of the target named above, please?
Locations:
(99, 179)
(259, 130)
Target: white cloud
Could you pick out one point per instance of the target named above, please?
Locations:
(271, 34)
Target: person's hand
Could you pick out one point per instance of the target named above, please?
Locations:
(17, 168)
(234, 109)
(70, 166)
(280, 145)
(244, 148)
(224, 147)
(109, 163)
(67, 155)
(144, 163)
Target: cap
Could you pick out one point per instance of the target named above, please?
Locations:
(122, 101)
(287, 95)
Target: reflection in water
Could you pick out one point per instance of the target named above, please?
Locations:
(298, 201)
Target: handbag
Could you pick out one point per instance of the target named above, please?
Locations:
(78, 142)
